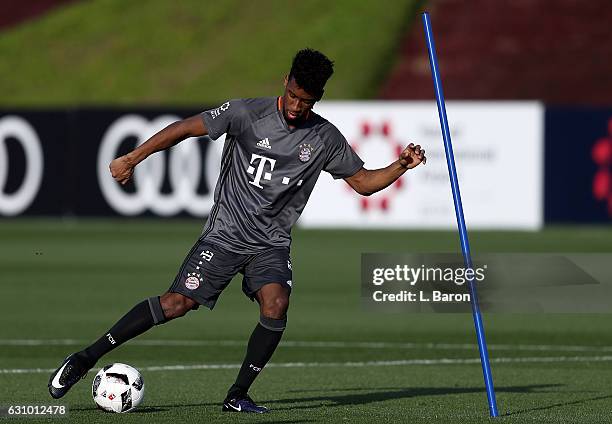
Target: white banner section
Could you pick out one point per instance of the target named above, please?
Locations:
(498, 149)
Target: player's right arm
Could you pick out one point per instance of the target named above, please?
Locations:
(122, 168)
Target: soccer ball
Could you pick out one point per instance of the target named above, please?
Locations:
(118, 388)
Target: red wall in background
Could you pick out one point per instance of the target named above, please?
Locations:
(16, 11)
(558, 51)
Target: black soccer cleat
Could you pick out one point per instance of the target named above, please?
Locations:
(243, 403)
(73, 369)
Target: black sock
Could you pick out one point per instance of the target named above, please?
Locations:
(262, 344)
(138, 320)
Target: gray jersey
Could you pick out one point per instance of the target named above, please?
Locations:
(268, 171)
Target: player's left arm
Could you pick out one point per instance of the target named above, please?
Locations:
(370, 181)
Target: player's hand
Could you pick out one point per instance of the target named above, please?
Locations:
(121, 169)
(412, 156)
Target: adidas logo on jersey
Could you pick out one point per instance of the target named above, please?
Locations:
(264, 144)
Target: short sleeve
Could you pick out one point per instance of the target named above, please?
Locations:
(341, 160)
(229, 118)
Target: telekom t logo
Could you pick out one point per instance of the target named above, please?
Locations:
(259, 172)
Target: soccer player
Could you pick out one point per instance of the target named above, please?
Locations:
(275, 149)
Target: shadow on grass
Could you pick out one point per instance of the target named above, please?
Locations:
(557, 405)
(376, 395)
(384, 394)
(369, 395)
(164, 408)
(148, 409)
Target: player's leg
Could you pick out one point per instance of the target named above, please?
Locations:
(142, 317)
(274, 301)
(268, 280)
(198, 282)
(152, 311)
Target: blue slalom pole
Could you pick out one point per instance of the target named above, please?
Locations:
(463, 235)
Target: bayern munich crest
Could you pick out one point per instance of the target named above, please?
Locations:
(193, 280)
(305, 152)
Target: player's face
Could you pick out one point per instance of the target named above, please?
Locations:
(296, 102)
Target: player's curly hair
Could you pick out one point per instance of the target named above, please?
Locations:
(311, 70)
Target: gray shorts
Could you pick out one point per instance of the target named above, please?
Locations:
(208, 269)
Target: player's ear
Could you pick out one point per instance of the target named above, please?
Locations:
(286, 81)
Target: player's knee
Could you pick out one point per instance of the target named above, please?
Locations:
(176, 305)
(275, 307)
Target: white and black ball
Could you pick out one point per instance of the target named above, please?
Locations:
(118, 388)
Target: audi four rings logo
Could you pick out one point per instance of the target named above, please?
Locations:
(18, 129)
(185, 169)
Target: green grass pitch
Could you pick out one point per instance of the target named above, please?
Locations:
(187, 53)
(65, 282)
